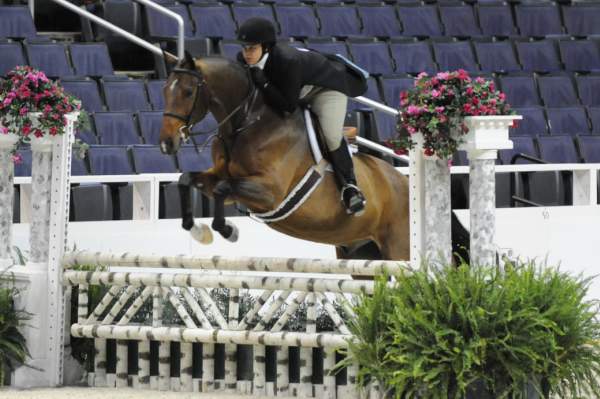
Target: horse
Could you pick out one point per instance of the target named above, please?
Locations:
(259, 156)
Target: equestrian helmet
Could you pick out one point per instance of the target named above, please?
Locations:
(257, 30)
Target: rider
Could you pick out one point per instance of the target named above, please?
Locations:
(286, 75)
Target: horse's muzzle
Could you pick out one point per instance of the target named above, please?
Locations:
(169, 146)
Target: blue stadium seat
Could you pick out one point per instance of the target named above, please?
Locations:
(496, 56)
(125, 95)
(538, 19)
(51, 58)
(580, 55)
(589, 148)
(155, 93)
(411, 56)
(161, 26)
(109, 160)
(116, 128)
(191, 161)
(297, 20)
(496, 19)
(581, 19)
(213, 20)
(538, 56)
(78, 166)
(589, 89)
(12, 55)
(205, 125)
(229, 48)
(338, 20)
(452, 55)
(385, 126)
(325, 45)
(87, 136)
(533, 122)
(420, 20)
(594, 115)
(520, 90)
(150, 124)
(557, 91)
(91, 202)
(242, 12)
(372, 93)
(16, 22)
(379, 20)
(24, 167)
(459, 20)
(557, 149)
(91, 59)
(149, 159)
(374, 57)
(521, 145)
(86, 90)
(393, 86)
(568, 121)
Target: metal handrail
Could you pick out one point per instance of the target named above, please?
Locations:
(131, 37)
(180, 24)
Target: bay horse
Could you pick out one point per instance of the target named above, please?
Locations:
(259, 156)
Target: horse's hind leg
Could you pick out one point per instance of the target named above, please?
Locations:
(201, 232)
(228, 230)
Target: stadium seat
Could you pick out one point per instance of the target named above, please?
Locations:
(372, 93)
(155, 88)
(116, 128)
(411, 56)
(149, 159)
(338, 20)
(213, 20)
(385, 126)
(242, 12)
(594, 115)
(533, 122)
(557, 149)
(496, 56)
(538, 19)
(150, 124)
(589, 148)
(580, 55)
(588, 87)
(161, 26)
(581, 18)
(374, 57)
(91, 59)
(229, 48)
(91, 202)
(109, 160)
(51, 58)
(23, 168)
(459, 20)
(451, 55)
(189, 160)
(420, 20)
(125, 95)
(12, 55)
(557, 91)
(297, 20)
(326, 45)
(496, 19)
(16, 22)
(521, 145)
(78, 166)
(379, 20)
(393, 86)
(520, 90)
(206, 125)
(85, 90)
(568, 121)
(538, 56)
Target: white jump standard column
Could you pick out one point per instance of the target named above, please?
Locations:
(487, 135)
(7, 143)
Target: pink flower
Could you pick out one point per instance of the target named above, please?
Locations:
(7, 101)
(17, 159)
(47, 109)
(443, 75)
(411, 130)
(439, 109)
(413, 110)
(422, 75)
(462, 74)
(502, 96)
(479, 80)
(53, 131)
(435, 93)
(470, 91)
(26, 130)
(23, 111)
(4, 130)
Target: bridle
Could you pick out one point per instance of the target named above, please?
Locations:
(246, 104)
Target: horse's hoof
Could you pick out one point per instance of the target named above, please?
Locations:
(202, 233)
(235, 233)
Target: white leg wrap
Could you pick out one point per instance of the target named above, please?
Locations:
(202, 233)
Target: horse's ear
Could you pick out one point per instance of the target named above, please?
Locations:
(170, 59)
(188, 60)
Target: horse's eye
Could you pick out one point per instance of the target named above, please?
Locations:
(188, 92)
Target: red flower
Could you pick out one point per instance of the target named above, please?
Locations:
(26, 130)
(53, 131)
(428, 151)
(39, 133)
(401, 151)
(515, 124)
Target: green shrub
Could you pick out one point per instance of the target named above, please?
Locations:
(435, 332)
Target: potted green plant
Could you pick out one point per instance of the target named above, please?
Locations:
(434, 113)
(13, 346)
(522, 332)
(35, 108)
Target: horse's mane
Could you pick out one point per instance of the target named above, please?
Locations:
(217, 64)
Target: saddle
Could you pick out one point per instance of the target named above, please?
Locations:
(316, 137)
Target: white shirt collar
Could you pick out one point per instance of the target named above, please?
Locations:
(261, 64)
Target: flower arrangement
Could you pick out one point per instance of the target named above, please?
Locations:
(436, 108)
(33, 105)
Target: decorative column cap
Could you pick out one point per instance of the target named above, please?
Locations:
(488, 132)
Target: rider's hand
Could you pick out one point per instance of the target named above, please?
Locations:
(258, 76)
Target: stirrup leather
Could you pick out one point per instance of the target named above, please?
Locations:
(355, 205)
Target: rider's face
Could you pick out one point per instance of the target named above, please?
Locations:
(252, 53)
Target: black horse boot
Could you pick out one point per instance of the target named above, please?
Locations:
(351, 196)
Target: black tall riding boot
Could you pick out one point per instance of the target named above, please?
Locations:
(343, 169)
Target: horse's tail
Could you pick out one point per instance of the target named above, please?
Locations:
(460, 241)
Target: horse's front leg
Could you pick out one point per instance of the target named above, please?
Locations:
(200, 232)
(228, 230)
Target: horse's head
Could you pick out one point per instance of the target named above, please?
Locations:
(186, 103)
